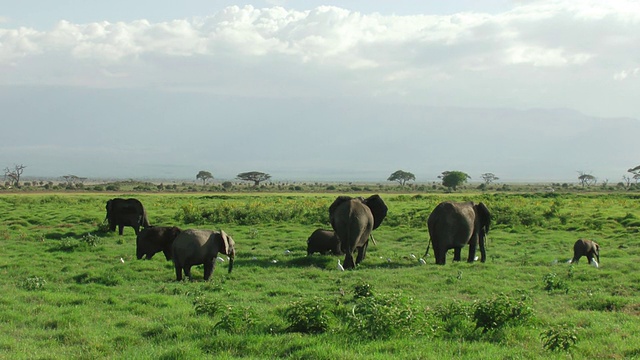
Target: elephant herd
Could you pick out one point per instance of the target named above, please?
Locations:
(451, 225)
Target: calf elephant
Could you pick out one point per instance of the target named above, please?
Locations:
(126, 212)
(353, 219)
(588, 248)
(323, 242)
(154, 239)
(195, 247)
(454, 225)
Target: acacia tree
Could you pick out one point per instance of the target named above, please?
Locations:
(489, 178)
(402, 177)
(204, 176)
(13, 175)
(586, 179)
(256, 176)
(453, 179)
(636, 174)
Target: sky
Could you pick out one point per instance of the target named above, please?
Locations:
(320, 90)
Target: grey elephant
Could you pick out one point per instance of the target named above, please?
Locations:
(194, 247)
(126, 212)
(154, 239)
(353, 219)
(453, 225)
(588, 248)
(323, 242)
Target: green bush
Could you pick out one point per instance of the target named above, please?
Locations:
(236, 320)
(381, 318)
(553, 282)
(560, 337)
(204, 306)
(500, 311)
(33, 283)
(307, 316)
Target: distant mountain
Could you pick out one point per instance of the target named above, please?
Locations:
(152, 134)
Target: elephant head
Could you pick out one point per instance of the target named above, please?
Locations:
(195, 247)
(353, 219)
(453, 225)
(588, 248)
(155, 239)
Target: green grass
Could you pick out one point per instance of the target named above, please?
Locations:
(66, 294)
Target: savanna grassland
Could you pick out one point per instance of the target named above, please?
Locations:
(71, 290)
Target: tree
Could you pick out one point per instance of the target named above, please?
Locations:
(72, 179)
(402, 177)
(489, 178)
(13, 175)
(256, 176)
(636, 174)
(586, 179)
(453, 179)
(204, 176)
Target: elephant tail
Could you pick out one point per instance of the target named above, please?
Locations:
(426, 253)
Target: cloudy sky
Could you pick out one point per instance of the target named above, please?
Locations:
(320, 90)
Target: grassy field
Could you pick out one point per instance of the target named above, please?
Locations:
(71, 290)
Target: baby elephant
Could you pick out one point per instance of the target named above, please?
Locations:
(588, 248)
(323, 242)
(154, 239)
(195, 247)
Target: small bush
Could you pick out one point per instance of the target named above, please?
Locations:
(552, 282)
(363, 290)
(561, 337)
(500, 311)
(235, 320)
(90, 240)
(34, 283)
(307, 316)
(204, 306)
(381, 318)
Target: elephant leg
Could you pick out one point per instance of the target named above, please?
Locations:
(136, 229)
(120, 228)
(362, 253)
(472, 252)
(208, 268)
(348, 261)
(178, 273)
(441, 256)
(483, 250)
(457, 253)
(590, 258)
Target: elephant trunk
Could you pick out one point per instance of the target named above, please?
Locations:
(232, 255)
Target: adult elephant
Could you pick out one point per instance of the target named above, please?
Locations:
(195, 247)
(126, 212)
(452, 225)
(154, 239)
(353, 219)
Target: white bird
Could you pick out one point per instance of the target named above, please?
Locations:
(220, 259)
(274, 261)
(594, 263)
(340, 267)
(287, 251)
(254, 258)
(475, 258)
(122, 260)
(413, 256)
(388, 259)
(569, 261)
(422, 262)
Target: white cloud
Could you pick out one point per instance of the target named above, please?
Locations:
(332, 51)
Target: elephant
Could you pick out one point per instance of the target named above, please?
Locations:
(323, 242)
(353, 219)
(154, 239)
(588, 248)
(126, 212)
(452, 225)
(194, 247)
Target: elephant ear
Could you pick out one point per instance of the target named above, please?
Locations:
(378, 209)
(334, 206)
(224, 238)
(485, 217)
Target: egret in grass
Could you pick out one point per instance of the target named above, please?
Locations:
(594, 263)
(220, 259)
(340, 267)
(422, 262)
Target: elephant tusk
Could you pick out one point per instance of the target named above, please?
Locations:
(372, 239)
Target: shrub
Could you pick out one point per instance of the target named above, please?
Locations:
(204, 306)
(560, 337)
(307, 316)
(500, 311)
(235, 320)
(33, 283)
(552, 282)
(381, 318)
(363, 290)
(90, 240)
